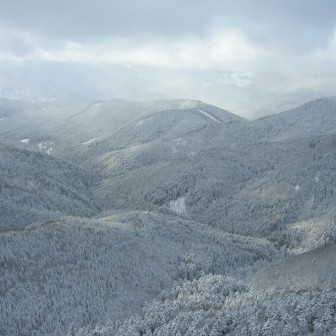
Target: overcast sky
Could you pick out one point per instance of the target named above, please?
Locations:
(226, 52)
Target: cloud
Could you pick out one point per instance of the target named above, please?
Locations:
(226, 49)
(296, 24)
(190, 33)
(229, 52)
(16, 45)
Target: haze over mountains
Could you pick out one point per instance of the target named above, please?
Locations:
(228, 224)
(251, 93)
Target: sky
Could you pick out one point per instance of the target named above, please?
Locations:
(251, 57)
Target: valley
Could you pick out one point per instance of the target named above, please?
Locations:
(169, 217)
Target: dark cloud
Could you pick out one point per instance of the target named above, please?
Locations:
(287, 23)
(95, 20)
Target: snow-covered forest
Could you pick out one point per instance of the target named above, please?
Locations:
(166, 218)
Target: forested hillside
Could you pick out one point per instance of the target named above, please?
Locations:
(35, 187)
(166, 218)
(80, 271)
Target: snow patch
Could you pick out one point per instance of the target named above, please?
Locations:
(209, 116)
(26, 141)
(89, 142)
(45, 146)
(297, 187)
(178, 205)
(177, 143)
(317, 178)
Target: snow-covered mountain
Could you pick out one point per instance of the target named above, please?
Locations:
(88, 271)
(36, 187)
(105, 204)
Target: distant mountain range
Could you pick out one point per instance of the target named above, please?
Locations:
(107, 205)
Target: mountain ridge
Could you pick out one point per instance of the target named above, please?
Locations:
(102, 211)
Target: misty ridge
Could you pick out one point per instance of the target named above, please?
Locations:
(169, 217)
